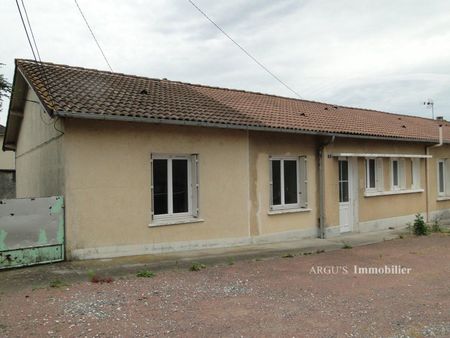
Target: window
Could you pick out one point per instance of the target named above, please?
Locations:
(398, 174)
(441, 177)
(174, 187)
(343, 181)
(370, 174)
(395, 175)
(415, 173)
(288, 181)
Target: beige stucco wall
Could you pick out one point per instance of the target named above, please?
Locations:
(39, 153)
(108, 180)
(263, 145)
(374, 207)
(437, 153)
(6, 158)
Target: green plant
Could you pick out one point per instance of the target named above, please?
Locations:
(420, 228)
(57, 283)
(347, 246)
(197, 267)
(145, 274)
(231, 261)
(436, 226)
(401, 237)
(319, 251)
(288, 255)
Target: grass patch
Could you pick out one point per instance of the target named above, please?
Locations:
(57, 283)
(347, 246)
(197, 267)
(320, 251)
(145, 274)
(231, 261)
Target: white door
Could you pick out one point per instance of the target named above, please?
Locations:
(345, 196)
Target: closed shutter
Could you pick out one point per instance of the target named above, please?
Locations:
(303, 182)
(195, 190)
(379, 174)
(152, 212)
(270, 184)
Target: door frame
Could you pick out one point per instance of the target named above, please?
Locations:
(353, 193)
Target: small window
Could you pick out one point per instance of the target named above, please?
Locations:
(395, 175)
(343, 181)
(441, 177)
(174, 186)
(288, 183)
(370, 174)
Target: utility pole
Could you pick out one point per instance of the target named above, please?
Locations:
(430, 104)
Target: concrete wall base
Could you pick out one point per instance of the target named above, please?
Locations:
(160, 248)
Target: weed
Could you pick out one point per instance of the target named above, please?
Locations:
(197, 267)
(436, 226)
(95, 278)
(320, 251)
(100, 279)
(420, 228)
(231, 261)
(57, 283)
(146, 274)
(401, 237)
(288, 255)
(347, 246)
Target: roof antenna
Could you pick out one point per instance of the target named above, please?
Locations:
(430, 104)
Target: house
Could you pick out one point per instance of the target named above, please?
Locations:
(148, 165)
(7, 172)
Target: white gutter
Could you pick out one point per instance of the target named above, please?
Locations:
(427, 169)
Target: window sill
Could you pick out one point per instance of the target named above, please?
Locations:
(287, 211)
(443, 198)
(159, 223)
(392, 192)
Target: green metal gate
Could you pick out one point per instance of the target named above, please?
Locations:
(31, 231)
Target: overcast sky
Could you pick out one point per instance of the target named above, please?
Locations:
(385, 55)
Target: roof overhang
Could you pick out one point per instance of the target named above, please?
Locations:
(124, 118)
(15, 111)
(380, 155)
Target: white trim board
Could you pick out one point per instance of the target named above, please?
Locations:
(379, 155)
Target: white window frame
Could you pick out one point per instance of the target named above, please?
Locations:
(192, 174)
(444, 173)
(300, 175)
(368, 188)
(393, 186)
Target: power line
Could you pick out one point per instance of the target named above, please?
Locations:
(34, 51)
(244, 50)
(92, 33)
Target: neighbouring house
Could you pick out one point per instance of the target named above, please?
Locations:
(7, 171)
(148, 165)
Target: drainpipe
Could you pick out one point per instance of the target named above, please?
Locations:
(320, 153)
(427, 170)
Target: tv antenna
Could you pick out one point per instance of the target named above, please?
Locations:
(430, 105)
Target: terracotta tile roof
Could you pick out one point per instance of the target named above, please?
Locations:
(102, 94)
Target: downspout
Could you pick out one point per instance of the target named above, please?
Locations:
(427, 170)
(320, 153)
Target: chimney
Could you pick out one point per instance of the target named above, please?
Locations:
(440, 118)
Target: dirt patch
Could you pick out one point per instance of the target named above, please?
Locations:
(270, 297)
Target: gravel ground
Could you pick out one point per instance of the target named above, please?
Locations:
(280, 296)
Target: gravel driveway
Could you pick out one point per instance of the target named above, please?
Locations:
(280, 296)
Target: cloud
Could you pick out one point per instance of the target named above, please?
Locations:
(386, 55)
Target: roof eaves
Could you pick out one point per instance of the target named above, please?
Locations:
(109, 117)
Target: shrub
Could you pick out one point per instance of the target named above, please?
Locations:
(347, 246)
(420, 227)
(146, 274)
(436, 227)
(57, 283)
(197, 267)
